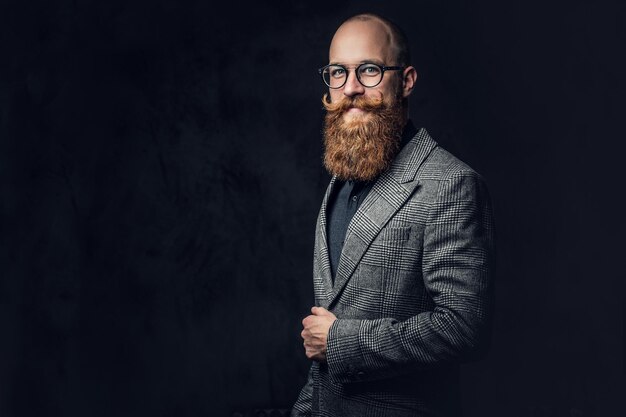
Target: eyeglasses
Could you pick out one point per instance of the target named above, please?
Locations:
(368, 74)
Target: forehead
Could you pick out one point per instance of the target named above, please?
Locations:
(359, 41)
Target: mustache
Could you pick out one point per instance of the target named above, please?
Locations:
(359, 102)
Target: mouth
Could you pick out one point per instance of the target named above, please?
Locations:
(355, 112)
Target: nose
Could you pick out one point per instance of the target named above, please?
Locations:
(353, 87)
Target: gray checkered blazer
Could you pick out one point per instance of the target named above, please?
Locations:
(412, 294)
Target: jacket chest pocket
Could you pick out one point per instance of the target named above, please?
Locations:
(394, 248)
(395, 234)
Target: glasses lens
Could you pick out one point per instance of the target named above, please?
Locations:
(370, 75)
(334, 76)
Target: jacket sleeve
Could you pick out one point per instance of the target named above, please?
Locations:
(457, 269)
(303, 405)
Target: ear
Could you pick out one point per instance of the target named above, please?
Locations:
(409, 77)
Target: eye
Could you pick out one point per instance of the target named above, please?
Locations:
(336, 72)
(369, 70)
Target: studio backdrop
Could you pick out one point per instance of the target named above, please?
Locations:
(161, 174)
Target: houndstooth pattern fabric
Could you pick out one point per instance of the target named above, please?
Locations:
(412, 294)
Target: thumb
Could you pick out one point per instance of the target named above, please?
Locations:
(319, 311)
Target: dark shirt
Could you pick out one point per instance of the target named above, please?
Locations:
(345, 200)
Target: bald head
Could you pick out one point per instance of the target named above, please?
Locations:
(379, 31)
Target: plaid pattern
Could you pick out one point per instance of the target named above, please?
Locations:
(413, 291)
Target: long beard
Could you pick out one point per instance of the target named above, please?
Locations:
(364, 146)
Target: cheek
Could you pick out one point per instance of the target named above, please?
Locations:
(391, 94)
(390, 87)
(335, 95)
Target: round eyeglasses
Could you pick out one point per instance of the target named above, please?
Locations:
(368, 74)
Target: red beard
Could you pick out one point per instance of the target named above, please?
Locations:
(363, 147)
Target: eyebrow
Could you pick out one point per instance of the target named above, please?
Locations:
(365, 61)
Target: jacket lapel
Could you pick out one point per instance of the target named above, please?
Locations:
(322, 278)
(389, 193)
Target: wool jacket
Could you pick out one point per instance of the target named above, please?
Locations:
(412, 293)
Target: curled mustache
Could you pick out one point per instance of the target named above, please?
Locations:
(359, 102)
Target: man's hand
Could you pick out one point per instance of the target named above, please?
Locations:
(315, 333)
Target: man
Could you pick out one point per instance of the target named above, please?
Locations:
(403, 250)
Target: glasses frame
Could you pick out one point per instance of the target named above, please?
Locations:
(356, 72)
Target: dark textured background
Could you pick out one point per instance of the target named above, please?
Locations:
(160, 178)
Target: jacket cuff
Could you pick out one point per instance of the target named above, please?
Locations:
(343, 351)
